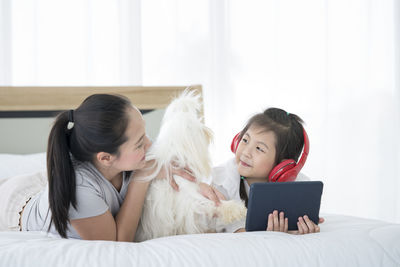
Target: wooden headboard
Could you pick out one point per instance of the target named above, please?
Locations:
(27, 113)
(41, 100)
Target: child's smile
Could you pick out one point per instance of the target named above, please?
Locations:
(255, 155)
(244, 164)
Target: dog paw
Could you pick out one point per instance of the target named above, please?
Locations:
(231, 211)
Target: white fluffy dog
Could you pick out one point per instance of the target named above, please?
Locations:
(183, 141)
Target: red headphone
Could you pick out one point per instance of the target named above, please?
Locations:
(287, 170)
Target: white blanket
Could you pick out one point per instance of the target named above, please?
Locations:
(343, 241)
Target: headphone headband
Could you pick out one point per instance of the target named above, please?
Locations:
(306, 149)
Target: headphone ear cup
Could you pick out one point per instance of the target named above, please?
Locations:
(279, 170)
(287, 170)
(288, 176)
(235, 143)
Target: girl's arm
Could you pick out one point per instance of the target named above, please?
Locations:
(123, 227)
(101, 227)
(127, 219)
(211, 193)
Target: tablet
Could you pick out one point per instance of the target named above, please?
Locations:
(296, 199)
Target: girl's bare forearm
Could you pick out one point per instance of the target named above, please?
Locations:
(127, 219)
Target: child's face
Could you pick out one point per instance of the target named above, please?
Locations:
(255, 155)
(133, 151)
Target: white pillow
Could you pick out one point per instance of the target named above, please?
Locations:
(14, 164)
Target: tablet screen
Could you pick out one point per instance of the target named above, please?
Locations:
(295, 199)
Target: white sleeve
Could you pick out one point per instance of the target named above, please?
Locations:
(302, 177)
(226, 179)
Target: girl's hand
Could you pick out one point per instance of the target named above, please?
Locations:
(184, 173)
(306, 226)
(277, 223)
(150, 169)
(280, 223)
(211, 193)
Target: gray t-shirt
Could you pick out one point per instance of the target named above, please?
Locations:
(94, 196)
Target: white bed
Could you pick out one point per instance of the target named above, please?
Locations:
(343, 241)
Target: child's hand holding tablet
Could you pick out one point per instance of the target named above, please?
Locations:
(297, 202)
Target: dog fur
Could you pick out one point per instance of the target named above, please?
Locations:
(183, 142)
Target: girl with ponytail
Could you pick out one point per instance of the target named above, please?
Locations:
(92, 154)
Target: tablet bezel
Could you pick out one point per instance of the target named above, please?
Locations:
(294, 198)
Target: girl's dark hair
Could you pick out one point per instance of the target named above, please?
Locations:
(288, 131)
(99, 125)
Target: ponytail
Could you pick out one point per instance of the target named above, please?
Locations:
(242, 193)
(61, 174)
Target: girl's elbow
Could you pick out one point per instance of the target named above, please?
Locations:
(125, 237)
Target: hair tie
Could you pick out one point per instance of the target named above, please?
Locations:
(71, 115)
(70, 119)
(242, 177)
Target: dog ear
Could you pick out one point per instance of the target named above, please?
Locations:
(209, 134)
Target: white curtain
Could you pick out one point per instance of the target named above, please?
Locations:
(335, 63)
(90, 42)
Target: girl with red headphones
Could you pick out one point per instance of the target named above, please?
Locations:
(266, 150)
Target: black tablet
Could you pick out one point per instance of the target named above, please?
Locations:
(296, 199)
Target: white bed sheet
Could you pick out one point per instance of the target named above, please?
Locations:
(343, 241)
